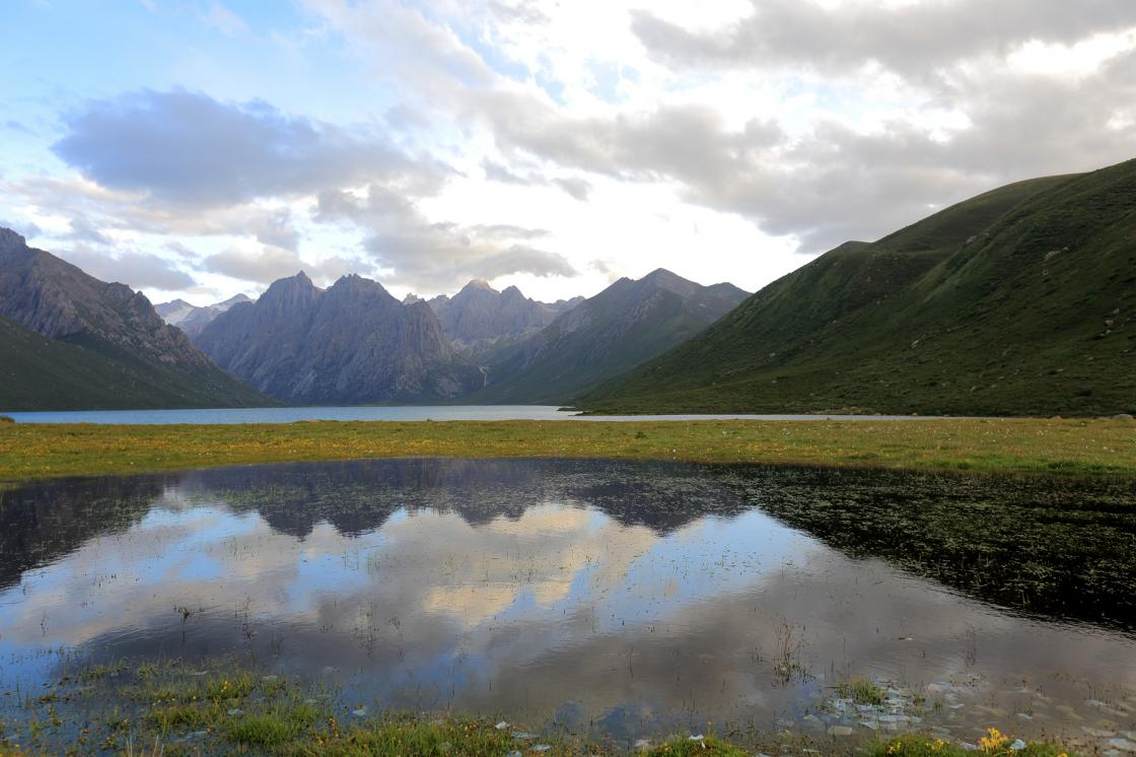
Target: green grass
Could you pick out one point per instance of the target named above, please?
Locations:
(1020, 302)
(268, 715)
(1064, 447)
(861, 691)
(37, 373)
(281, 724)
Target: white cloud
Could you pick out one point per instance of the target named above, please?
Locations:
(719, 139)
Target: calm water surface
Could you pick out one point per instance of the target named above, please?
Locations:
(624, 599)
(384, 413)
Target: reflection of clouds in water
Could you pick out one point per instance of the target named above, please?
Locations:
(520, 608)
(474, 573)
(469, 573)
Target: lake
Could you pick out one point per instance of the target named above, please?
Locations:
(621, 599)
(384, 413)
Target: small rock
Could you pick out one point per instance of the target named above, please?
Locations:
(968, 746)
(643, 744)
(870, 724)
(1098, 733)
(501, 726)
(699, 737)
(235, 711)
(840, 730)
(1017, 745)
(541, 748)
(1123, 745)
(524, 735)
(360, 713)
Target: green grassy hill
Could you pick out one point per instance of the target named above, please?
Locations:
(1021, 301)
(37, 373)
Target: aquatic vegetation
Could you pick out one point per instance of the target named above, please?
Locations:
(861, 691)
(1055, 547)
(697, 745)
(277, 715)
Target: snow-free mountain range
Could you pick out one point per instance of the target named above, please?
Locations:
(1019, 301)
(351, 343)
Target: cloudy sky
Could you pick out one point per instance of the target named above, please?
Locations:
(200, 148)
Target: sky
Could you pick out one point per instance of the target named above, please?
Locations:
(201, 148)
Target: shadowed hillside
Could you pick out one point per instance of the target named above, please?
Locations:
(1020, 301)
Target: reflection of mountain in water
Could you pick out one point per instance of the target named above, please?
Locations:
(43, 522)
(1046, 546)
(357, 497)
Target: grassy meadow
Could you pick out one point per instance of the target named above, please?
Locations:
(1069, 447)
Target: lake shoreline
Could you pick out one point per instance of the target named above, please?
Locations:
(1069, 448)
(171, 707)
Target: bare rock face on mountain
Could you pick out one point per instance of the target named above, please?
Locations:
(143, 361)
(601, 337)
(352, 343)
(479, 319)
(54, 298)
(192, 319)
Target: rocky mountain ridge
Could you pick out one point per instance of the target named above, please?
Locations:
(352, 343)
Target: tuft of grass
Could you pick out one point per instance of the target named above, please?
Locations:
(274, 727)
(687, 747)
(225, 688)
(861, 691)
(185, 717)
(408, 735)
(6, 420)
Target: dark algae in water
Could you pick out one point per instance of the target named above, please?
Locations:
(1053, 547)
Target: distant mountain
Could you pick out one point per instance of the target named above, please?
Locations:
(479, 318)
(192, 319)
(70, 341)
(353, 343)
(601, 337)
(1021, 301)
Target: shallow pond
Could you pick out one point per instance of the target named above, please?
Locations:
(625, 599)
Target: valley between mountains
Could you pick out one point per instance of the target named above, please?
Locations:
(1020, 301)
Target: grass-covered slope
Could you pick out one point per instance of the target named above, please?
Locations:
(37, 373)
(70, 341)
(1021, 301)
